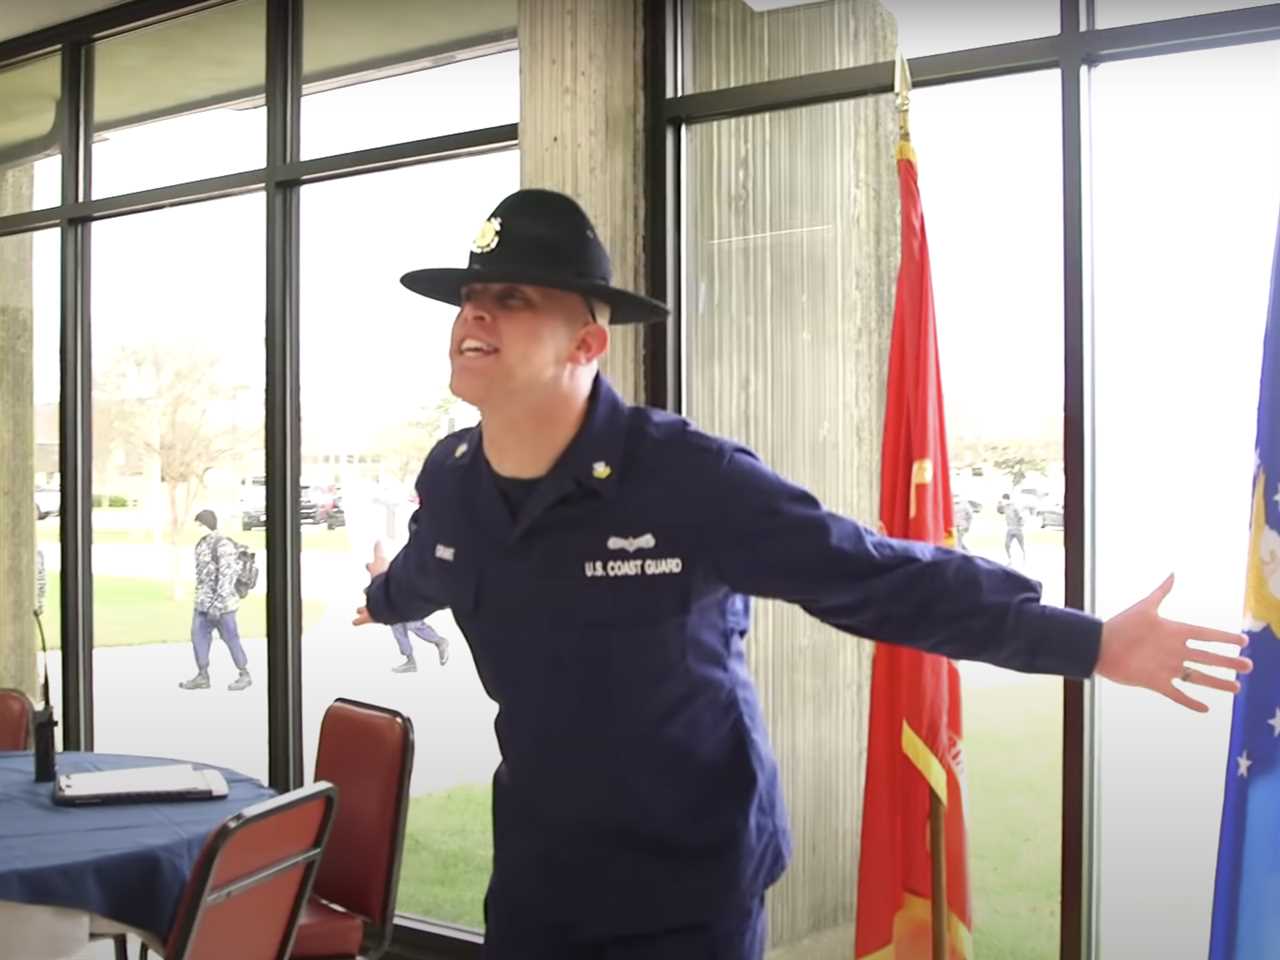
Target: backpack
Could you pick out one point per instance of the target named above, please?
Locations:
(246, 567)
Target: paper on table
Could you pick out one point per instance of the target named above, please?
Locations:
(169, 778)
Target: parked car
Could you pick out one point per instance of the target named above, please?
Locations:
(253, 504)
(48, 502)
(1051, 515)
(328, 500)
(334, 517)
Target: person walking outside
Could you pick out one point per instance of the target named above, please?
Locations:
(216, 603)
(424, 631)
(1012, 529)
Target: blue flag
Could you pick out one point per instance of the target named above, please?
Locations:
(1246, 897)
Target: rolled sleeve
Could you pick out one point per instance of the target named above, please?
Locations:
(774, 539)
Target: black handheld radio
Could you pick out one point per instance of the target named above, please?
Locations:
(44, 722)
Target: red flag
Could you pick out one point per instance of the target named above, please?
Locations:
(914, 744)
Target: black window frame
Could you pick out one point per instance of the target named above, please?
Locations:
(1077, 48)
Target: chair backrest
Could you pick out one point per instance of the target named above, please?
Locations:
(252, 878)
(15, 720)
(367, 751)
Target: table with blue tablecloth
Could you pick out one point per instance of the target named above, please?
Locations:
(125, 862)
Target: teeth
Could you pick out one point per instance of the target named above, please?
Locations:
(471, 345)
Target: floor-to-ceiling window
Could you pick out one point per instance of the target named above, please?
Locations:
(791, 254)
(1056, 292)
(375, 399)
(176, 301)
(374, 381)
(29, 465)
(1183, 238)
(994, 215)
(172, 258)
(30, 168)
(175, 304)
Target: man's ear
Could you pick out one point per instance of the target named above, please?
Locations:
(592, 343)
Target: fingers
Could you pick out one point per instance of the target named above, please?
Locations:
(1208, 634)
(1159, 593)
(362, 617)
(378, 552)
(1238, 664)
(1182, 699)
(1209, 680)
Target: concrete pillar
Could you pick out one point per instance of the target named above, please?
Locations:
(582, 132)
(17, 444)
(792, 252)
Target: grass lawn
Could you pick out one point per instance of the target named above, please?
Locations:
(1013, 749)
(448, 851)
(1013, 756)
(132, 610)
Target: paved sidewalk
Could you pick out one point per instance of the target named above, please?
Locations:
(139, 709)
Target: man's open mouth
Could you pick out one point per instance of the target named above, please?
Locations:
(471, 347)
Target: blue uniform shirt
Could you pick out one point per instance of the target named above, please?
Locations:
(637, 788)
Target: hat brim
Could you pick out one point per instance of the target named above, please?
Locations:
(445, 284)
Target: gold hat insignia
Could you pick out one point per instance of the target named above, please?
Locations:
(487, 238)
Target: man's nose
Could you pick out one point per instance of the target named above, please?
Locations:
(475, 311)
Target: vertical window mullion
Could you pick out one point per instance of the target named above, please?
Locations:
(75, 435)
(283, 444)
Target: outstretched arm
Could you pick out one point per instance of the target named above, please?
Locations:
(774, 539)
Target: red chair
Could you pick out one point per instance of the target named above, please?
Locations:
(269, 851)
(16, 715)
(367, 752)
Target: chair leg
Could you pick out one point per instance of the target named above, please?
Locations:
(122, 946)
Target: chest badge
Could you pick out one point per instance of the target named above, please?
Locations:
(645, 541)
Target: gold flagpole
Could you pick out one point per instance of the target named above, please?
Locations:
(937, 812)
(902, 91)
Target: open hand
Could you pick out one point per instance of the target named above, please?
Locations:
(379, 564)
(1140, 648)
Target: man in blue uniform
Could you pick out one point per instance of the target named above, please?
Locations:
(598, 557)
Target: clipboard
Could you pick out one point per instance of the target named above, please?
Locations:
(160, 784)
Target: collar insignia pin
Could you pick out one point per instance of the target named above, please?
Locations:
(462, 448)
(601, 470)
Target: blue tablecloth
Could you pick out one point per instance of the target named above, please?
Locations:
(127, 862)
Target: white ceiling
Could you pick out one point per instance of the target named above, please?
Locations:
(22, 16)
